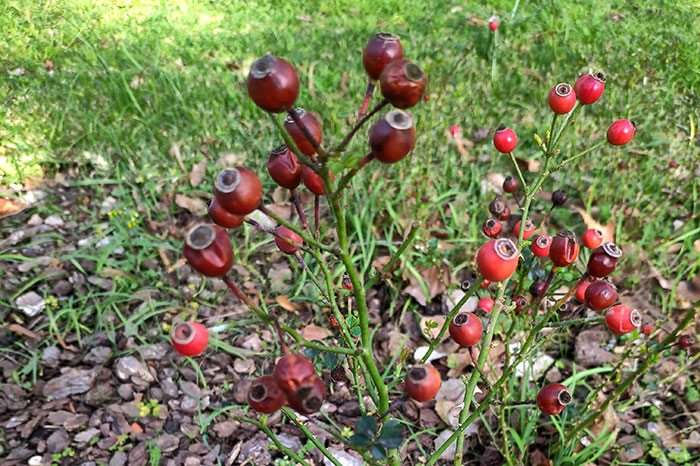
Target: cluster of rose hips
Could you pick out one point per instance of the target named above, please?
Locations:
(273, 84)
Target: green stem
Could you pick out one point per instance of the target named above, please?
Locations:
(307, 238)
(275, 440)
(435, 341)
(580, 154)
(343, 144)
(520, 174)
(415, 228)
(350, 174)
(550, 136)
(311, 436)
(569, 116)
(565, 323)
(291, 144)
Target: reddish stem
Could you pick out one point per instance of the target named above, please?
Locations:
(237, 291)
(368, 97)
(300, 211)
(546, 287)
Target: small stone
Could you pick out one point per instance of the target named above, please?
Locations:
(192, 461)
(72, 382)
(58, 441)
(191, 389)
(26, 266)
(86, 435)
(256, 451)
(167, 442)
(188, 405)
(98, 355)
(129, 366)
(31, 303)
(108, 204)
(36, 461)
(119, 459)
(226, 428)
(171, 426)
(16, 421)
(103, 283)
(54, 221)
(50, 356)
(169, 387)
(20, 454)
(293, 443)
(155, 352)
(345, 458)
(35, 220)
(62, 288)
(126, 391)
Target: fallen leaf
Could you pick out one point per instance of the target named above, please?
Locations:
(531, 165)
(312, 89)
(198, 172)
(343, 86)
(434, 280)
(304, 18)
(314, 332)
(607, 230)
(286, 304)
(194, 206)
(231, 160)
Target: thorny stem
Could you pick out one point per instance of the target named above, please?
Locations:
(368, 96)
(550, 135)
(287, 451)
(459, 446)
(312, 140)
(343, 144)
(435, 341)
(300, 210)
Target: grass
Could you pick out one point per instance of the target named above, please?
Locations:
(102, 90)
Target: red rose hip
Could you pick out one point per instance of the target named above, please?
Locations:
(314, 182)
(265, 396)
(273, 84)
(493, 25)
(391, 138)
(581, 292)
(510, 184)
(520, 303)
(402, 83)
(686, 341)
(485, 305)
(381, 50)
(288, 247)
(311, 124)
(284, 167)
(505, 140)
(423, 382)
(553, 398)
(600, 295)
(238, 190)
(562, 99)
(291, 371)
(527, 232)
(208, 250)
(223, 217)
(492, 227)
(621, 132)
(497, 259)
(466, 329)
(592, 238)
(564, 248)
(189, 338)
(590, 88)
(603, 260)
(621, 319)
(308, 398)
(541, 245)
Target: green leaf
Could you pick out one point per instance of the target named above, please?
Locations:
(360, 440)
(391, 435)
(356, 331)
(367, 426)
(311, 353)
(378, 452)
(331, 360)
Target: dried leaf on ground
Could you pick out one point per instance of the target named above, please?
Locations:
(433, 278)
(199, 170)
(194, 206)
(314, 332)
(175, 152)
(9, 207)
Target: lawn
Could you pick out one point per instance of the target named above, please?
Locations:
(119, 114)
